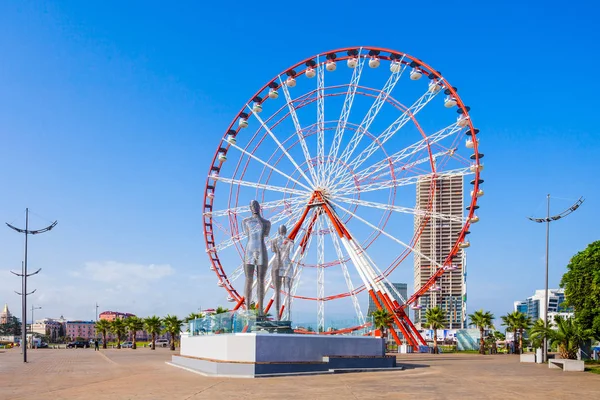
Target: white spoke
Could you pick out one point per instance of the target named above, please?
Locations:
(393, 128)
(239, 271)
(388, 235)
(320, 274)
(345, 114)
(406, 152)
(400, 209)
(298, 128)
(411, 180)
(396, 171)
(292, 213)
(320, 122)
(264, 186)
(264, 206)
(351, 289)
(281, 147)
(267, 165)
(368, 119)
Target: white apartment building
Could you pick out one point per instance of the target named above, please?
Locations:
(437, 238)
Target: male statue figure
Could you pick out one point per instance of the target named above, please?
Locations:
(282, 271)
(256, 229)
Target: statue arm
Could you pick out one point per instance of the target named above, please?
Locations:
(267, 228)
(245, 227)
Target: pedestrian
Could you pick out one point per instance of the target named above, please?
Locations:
(96, 348)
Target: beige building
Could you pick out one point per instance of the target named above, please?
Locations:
(50, 327)
(440, 233)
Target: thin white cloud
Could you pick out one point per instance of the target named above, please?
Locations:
(114, 272)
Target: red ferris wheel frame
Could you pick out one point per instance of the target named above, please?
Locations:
(397, 309)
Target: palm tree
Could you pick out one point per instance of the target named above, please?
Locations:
(382, 319)
(103, 326)
(509, 320)
(134, 324)
(173, 327)
(521, 322)
(435, 319)
(569, 336)
(221, 310)
(118, 327)
(192, 316)
(538, 333)
(483, 320)
(153, 326)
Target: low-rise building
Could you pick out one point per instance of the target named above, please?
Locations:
(52, 328)
(83, 329)
(534, 308)
(112, 315)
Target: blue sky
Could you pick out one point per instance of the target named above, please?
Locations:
(110, 113)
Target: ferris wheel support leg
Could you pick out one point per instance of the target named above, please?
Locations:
(382, 290)
(269, 304)
(390, 326)
(239, 303)
(390, 308)
(412, 327)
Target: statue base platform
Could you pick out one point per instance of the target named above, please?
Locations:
(273, 327)
(253, 355)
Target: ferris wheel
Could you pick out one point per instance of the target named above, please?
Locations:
(334, 148)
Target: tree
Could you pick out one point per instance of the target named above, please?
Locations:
(134, 324)
(521, 323)
(582, 287)
(192, 316)
(11, 328)
(153, 326)
(103, 326)
(482, 320)
(569, 336)
(172, 327)
(221, 310)
(509, 321)
(118, 327)
(435, 318)
(382, 319)
(538, 332)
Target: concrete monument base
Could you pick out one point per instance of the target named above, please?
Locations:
(254, 354)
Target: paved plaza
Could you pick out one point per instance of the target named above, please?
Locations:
(143, 374)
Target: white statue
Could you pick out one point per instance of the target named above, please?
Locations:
(256, 229)
(282, 272)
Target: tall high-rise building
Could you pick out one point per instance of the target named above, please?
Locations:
(438, 236)
(400, 288)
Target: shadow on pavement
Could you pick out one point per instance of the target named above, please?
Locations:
(412, 366)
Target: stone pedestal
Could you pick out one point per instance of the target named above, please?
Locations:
(255, 354)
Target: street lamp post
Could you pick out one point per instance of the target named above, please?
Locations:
(547, 221)
(24, 277)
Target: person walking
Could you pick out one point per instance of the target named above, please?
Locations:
(96, 345)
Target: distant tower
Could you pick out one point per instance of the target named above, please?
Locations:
(5, 316)
(436, 241)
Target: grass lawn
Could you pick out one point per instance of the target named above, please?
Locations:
(592, 366)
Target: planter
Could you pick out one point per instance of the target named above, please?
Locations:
(528, 358)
